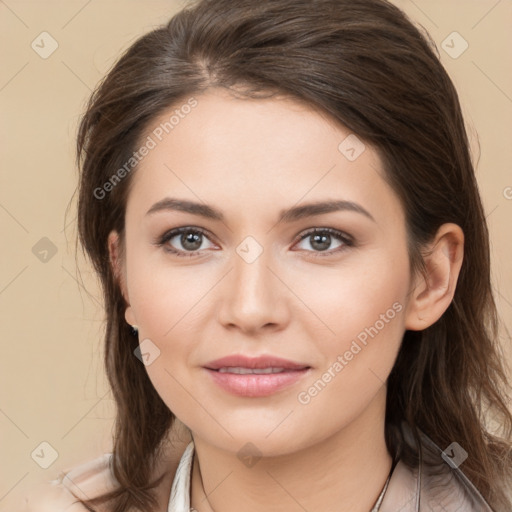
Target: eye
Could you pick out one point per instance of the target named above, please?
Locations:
(190, 241)
(189, 238)
(320, 239)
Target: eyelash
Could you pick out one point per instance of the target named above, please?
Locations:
(343, 237)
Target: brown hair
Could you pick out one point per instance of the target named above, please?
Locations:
(366, 65)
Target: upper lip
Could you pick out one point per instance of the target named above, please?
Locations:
(241, 361)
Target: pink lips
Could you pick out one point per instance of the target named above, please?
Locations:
(284, 373)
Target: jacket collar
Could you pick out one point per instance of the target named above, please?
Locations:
(431, 480)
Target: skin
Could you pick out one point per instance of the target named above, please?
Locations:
(251, 159)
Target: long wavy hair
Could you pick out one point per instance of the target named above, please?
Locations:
(364, 63)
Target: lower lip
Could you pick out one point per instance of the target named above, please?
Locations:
(255, 385)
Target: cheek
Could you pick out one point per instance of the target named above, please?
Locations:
(169, 305)
(357, 328)
(165, 296)
(356, 365)
(342, 302)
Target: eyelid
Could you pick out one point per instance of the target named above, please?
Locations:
(335, 232)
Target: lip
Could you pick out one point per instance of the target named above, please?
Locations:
(255, 385)
(260, 362)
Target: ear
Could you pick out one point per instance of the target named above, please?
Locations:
(432, 294)
(119, 273)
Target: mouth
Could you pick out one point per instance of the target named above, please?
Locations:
(256, 371)
(255, 377)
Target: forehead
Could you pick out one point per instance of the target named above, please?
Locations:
(254, 154)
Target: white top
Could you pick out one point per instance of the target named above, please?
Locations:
(180, 491)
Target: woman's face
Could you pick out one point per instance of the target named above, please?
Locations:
(334, 303)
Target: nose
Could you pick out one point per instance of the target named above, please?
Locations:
(254, 297)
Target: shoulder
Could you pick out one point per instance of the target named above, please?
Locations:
(85, 480)
(95, 477)
(445, 484)
(428, 479)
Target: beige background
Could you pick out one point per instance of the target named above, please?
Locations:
(53, 387)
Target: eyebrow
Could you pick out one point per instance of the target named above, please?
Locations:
(289, 215)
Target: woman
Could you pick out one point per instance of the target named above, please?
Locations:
(280, 202)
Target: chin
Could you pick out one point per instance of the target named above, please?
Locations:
(261, 439)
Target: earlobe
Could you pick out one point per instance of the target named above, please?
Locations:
(433, 293)
(129, 316)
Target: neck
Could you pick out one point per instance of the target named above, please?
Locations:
(345, 472)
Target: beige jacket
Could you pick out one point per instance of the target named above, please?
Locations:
(433, 484)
